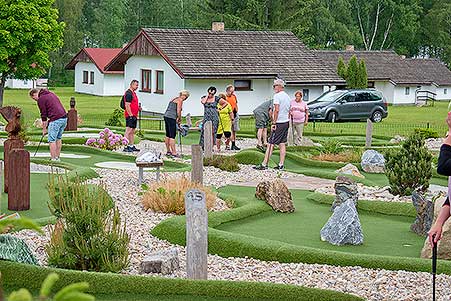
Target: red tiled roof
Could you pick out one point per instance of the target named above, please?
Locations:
(99, 56)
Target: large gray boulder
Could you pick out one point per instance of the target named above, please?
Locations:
(164, 262)
(276, 194)
(15, 249)
(373, 162)
(345, 189)
(351, 170)
(343, 227)
(425, 214)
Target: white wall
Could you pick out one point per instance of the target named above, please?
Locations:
(387, 89)
(247, 100)
(80, 87)
(113, 84)
(400, 96)
(19, 83)
(314, 91)
(172, 82)
(441, 93)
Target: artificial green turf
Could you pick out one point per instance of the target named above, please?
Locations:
(350, 140)
(38, 198)
(127, 288)
(384, 235)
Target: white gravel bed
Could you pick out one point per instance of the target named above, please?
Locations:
(368, 283)
(382, 194)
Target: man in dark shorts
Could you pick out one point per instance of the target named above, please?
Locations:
(54, 119)
(279, 126)
(131, 115)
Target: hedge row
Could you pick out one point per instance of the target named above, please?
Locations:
(16, 275)
(227, 244)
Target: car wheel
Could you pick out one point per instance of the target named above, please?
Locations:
(377, 116)
(332, 116)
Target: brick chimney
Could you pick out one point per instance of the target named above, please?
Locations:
(349, 48)
(217, 26)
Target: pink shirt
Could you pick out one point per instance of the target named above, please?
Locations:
(298, 110)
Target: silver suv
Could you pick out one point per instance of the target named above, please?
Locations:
(349, 104)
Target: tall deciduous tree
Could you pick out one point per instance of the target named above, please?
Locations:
(29, 30)
(108, 28)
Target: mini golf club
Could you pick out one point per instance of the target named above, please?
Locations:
(37, 148)
(434, 266)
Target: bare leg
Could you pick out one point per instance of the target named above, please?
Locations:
(268, 154)
(172, 149)
(260, 140)
(218, 144)
(283, 151)
(168, 144)
(265, 136)
(127, 134)
(53, 150)
(132, 136)
(59, 145)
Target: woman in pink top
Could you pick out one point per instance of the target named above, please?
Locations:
(298, 116)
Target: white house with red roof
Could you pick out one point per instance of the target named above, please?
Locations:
(91, 76)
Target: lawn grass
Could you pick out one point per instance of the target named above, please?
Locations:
(229, 244)
(95, 110)
(303, 226)
(109, 286)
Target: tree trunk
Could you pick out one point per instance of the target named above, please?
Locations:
(2, 89)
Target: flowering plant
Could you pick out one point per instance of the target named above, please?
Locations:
(107, 140)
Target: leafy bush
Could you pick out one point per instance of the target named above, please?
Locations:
(116, 118)
(107, 140)
(410, 167)
(427, 133)
(71, 292)
(332, 146)
(88, 234)
(226, 163)
(168, 196)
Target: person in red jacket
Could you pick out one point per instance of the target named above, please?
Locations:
(54, 119)
(131, 115)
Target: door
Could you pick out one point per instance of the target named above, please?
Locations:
(346, 106)
(366, 104)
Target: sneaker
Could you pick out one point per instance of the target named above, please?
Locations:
(134, 149)
(55, 160)
(168, 154)
(227, 147)
(261, 167)
(234, 147)
(128, 149)
(261, 148)
(279, 167)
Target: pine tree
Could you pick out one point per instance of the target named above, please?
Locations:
(363, 77)
(352, 73)
(341, 68)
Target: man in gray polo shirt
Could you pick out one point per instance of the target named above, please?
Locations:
(262, 117)
(279, 125)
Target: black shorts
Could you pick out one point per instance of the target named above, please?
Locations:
(280, 134)
(131, 122)
(226, 134)
(170, 125)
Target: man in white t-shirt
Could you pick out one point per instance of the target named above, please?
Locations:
(279, 125)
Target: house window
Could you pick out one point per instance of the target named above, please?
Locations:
(306, 93)
(85, 77)
(243, 85)
(145, 80)
(160, 82)
(445, 91)
(91, 78)
(407, 92)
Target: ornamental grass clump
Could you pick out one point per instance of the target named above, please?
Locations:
(89, 234)
(226, 163)
(107, 140)
(168, 196)
(331, 146)
(410, 167)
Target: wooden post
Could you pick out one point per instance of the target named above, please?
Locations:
(9, 145)
(72, 116)
(19, 180)
(208, 139)
(369, 133)
(197, 164)
(196, 234)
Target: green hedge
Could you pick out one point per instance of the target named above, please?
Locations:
(16, 275)
(227, 244)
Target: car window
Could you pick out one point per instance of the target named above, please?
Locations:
(375, 96)
(349, 97)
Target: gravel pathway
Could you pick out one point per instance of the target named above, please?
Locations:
(368, 283)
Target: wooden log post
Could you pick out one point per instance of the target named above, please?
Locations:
(196, 234)
(197, 164)
(72, 117)
(208, 139)
(9, 145)
(369, 133)
(19, 180)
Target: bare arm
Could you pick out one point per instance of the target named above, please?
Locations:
(437, 227)
(275, 114)
(128, 108)
(306, 117)
(203, 100)
(179, 110)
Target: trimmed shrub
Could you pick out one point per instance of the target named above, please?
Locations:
(249, 157)
(168, 196)
(88, 234)
(331, 146)
(410, 167)
(427, 133)
(226, 163)
(116, 118)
